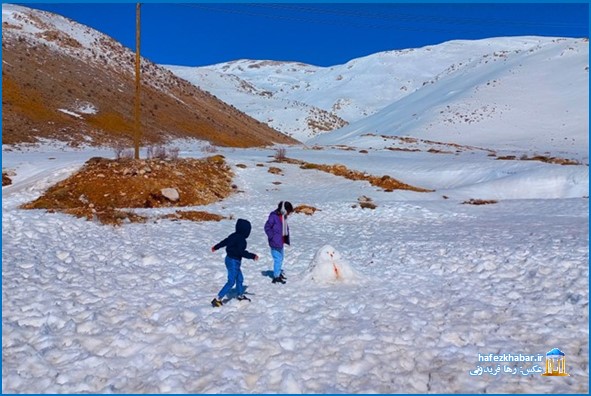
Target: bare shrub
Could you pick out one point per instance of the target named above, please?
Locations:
(127, 154)
(173, 153)
(210, 148)
(158, 152)
(280, 154)
(162, 153)
(121, 152)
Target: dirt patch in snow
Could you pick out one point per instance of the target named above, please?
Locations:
(473, 201)
(387, 183)
(305, 209)
(104, 186)
(6, 181)
(193, 215)
(542, 158)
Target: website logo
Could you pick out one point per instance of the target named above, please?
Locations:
(555, 364)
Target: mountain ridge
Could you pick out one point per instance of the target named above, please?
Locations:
(283, 93)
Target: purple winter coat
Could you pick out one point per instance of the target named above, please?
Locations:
(274, 231)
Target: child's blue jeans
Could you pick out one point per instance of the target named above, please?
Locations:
(277, 255)
(234, 277)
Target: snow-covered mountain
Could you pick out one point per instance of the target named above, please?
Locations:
(536, 99)
(63, 80)
(470, 92)
(280, 94)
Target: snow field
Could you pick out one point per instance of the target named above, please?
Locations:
(91, 308)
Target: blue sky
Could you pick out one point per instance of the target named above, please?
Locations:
(197, 34)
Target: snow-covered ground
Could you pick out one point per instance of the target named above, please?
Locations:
(92, 308)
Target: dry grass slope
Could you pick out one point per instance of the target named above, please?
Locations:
(38, 81)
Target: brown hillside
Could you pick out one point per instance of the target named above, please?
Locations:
(38, 80)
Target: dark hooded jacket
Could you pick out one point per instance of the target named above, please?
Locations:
(236, 243)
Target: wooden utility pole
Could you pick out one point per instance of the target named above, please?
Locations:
(137, 134)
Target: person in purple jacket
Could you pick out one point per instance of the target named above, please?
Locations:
(277, 232)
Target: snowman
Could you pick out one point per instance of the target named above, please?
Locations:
(329, 266)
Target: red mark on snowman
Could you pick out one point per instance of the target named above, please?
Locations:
(334, 267)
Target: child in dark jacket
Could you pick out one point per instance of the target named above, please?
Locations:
(235, 245)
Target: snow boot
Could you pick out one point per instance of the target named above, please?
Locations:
(242, 297)
(278, 280)
(216, 302)
(282, 276)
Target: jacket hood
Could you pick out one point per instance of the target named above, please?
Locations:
(243, 227)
